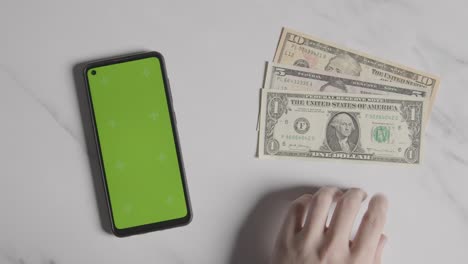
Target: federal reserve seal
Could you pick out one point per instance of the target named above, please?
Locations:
(301, 125)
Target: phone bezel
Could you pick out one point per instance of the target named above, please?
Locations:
(157, 225)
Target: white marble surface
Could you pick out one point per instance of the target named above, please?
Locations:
(215, 52)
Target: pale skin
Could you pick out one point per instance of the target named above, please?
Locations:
(304, 237)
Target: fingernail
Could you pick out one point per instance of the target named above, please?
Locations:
(337, 195)
(379, 200)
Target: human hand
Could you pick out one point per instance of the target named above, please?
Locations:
(305, 239)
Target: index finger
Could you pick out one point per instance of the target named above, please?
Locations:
(295, 217)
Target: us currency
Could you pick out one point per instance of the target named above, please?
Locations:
(302, 50)
(291, 78)
(311, 125)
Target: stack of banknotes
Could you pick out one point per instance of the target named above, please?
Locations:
(323, 101)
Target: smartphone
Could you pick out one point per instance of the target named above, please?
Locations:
(137, 143)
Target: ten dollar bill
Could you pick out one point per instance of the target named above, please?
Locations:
(302, 50)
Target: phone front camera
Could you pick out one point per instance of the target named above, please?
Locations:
(93, 72)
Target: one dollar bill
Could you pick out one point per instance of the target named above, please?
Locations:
(332, 126)
(302, 50)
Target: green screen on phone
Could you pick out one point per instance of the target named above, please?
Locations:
(137, 143)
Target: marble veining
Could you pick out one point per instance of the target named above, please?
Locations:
(46, 107)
